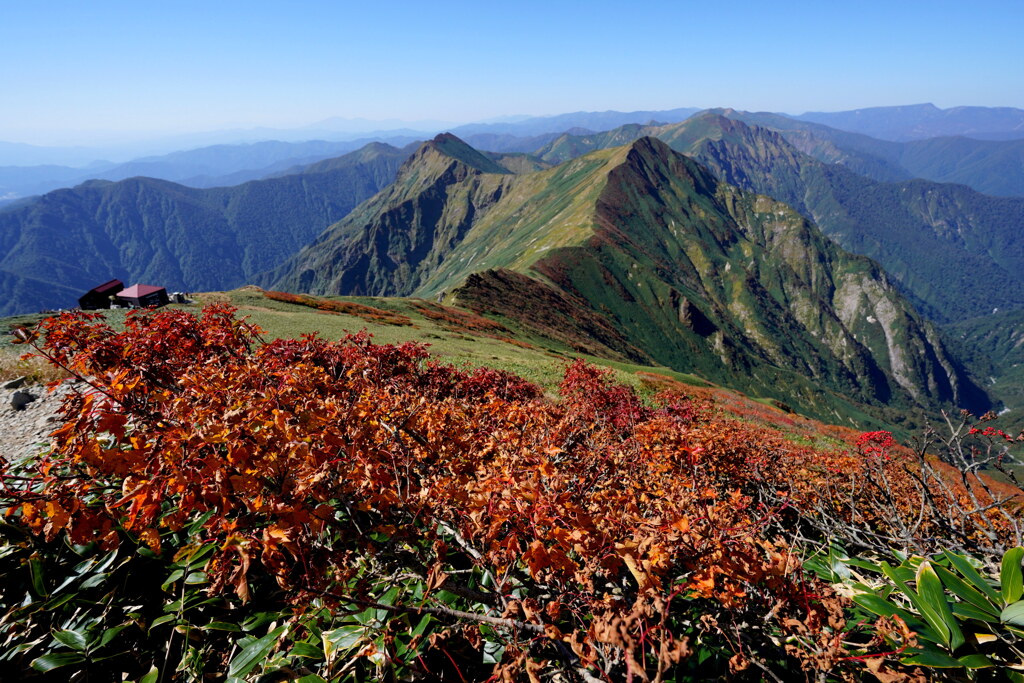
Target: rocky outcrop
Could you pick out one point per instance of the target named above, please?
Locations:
(26, 429)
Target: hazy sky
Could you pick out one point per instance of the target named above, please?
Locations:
(69, 69)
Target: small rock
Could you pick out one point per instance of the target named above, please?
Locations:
(16, 383)
(20, 399)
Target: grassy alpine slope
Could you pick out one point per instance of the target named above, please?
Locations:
(952, 250)
(656, 259)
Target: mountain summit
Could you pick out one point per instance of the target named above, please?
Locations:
(672, 265)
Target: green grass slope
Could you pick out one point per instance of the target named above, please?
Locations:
(953, 251)
(682, 270)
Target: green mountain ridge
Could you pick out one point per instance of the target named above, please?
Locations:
(994, 167)
(952, 250)
(685, 270)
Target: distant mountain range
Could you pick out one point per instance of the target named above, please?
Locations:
(989, 166)
(919, 121)
(330, 130)
(217, 166)
(56, 247)
(547, 229)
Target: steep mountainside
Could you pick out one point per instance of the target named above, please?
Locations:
(56, 247)
(994, 167)
(956, 252)
(682, 269)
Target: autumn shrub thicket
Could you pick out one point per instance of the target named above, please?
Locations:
(216, 505)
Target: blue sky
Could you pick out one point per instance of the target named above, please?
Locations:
(71, 69)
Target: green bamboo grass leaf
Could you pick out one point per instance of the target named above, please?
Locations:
(965, 591)
(976, 661)
(882, 608)
(932, 617)
(934, 659)
(56, 660)
(967, 611)
(1013, 614)
(1011, 579)
(973, 577)
(252, 653)
(306, 650)
(35, 570)
(877, 605)
(108, 636)
(342, 639)
(863, 564)
(933, 596)
(222, 626)
(76, 640)
(162, 620)
(152, 677)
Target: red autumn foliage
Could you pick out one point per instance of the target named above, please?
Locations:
(367, 313)
(601, 534)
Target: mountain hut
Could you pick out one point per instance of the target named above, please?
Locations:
(99, 296)
(141, 296)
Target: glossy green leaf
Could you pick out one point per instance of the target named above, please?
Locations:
(109, 635)
(1011, 579)
(251, 655)
(342, 639)
(93, 581)
(172, 578)
(877, 605)
(306, 650)
(196, 578)
(421, 627)
(965, 591)
(106, 563)
(976, 661)
(863, 564)
(934, 659)
(152, 677)
(201, 555)
(221, 626)
(1013, 614)
(35, 571)
(971, 574)
(196, 526)
(937, 609)
(57, 602)
(162, 620)
(894, 575)
(260, 619)
(76, 640)
(56, 660)
(968, 611)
